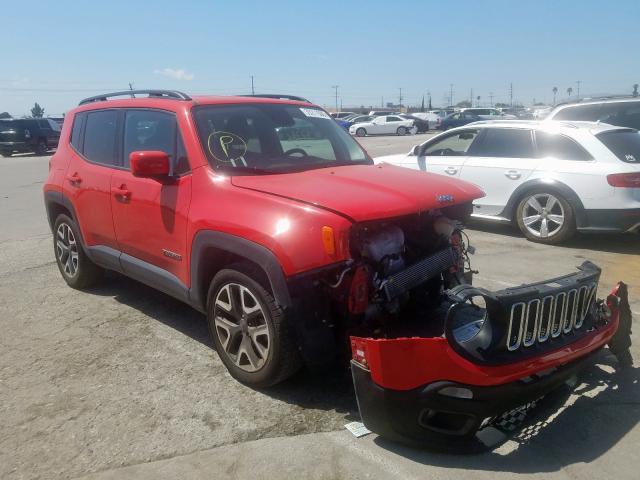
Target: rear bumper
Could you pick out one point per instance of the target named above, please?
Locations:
(425, 416)
(612, 220)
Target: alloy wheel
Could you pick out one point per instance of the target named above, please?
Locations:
(67, 249)
(241, 326)
(543, 215)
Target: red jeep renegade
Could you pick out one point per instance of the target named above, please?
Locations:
(262, 213)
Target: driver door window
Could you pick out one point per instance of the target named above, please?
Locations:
(447, 155)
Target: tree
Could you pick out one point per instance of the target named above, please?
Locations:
(569, 91)
(555, 92)
(5, 115)
(464, 104)
(635, 89)
(37, 111)
(478, 99)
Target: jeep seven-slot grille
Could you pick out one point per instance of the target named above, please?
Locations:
(537, 320)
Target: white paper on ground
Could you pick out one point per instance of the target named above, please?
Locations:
(358, 429)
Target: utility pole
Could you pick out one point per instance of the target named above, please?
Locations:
(578, 89)
(451, 94)
(491, 99)
(253, 92)
(400, 98)
(471, 97)
(511, 94)
(382, 101)
(335, 87)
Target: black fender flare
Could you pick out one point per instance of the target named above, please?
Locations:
(53, 197)
(552, 185)
(241, 247)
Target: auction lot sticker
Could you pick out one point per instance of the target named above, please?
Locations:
(315, 113)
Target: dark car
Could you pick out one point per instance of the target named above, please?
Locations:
(421, 125)
(458, 119)
(28, 135)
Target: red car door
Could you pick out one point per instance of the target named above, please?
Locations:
(88, 177)
(150, 214)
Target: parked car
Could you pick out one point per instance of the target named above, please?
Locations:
(432, 118)
(457, 120)
(421, 124)
(378, 113)
(36, 135)
(384, 125)
(550, 178)
(622, 112)
(341, 114)
(489, 113)
(352, 120)
(267, 217)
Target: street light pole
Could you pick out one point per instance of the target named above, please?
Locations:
(335, 87)
(400, 98)
(451, 94)
(252, 90)
(578, 89)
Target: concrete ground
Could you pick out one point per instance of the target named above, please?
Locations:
(121, 381)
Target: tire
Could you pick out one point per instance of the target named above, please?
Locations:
(401, 131)
(41, 148)
(75, 267)
(546, 217)
(255, 343)
(361, 132)
(5, 154)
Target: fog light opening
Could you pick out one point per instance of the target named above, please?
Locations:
(456, 392)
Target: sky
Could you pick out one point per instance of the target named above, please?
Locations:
(56, 53)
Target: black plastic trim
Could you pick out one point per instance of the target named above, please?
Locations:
(104, 256)
(154, 276)
(252, 251)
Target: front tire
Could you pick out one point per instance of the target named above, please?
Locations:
(361, 132)
(401, 131)
(76, 268)
(6, 154)
(250, 331)
(546, 217)
(41, 148)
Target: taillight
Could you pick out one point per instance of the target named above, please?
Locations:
(359, 291)
(359, 351)
(624, 180)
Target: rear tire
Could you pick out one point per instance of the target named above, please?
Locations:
(249, 329)
(41, 148)
(546, 217)
(75, 266)
(361, 132)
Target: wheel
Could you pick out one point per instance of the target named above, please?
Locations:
(249, 330)
(41, 148)
(361, 132)
(5, 154)
(74, 265)
(546, 217)
(401, 131)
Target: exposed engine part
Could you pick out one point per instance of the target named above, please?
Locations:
(385, 247)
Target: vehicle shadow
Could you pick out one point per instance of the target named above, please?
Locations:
(627, 243)
(566, 428)
(326, 388)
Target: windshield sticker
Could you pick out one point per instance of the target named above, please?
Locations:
(315, 113)
(227, 147)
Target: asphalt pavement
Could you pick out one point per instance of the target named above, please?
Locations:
(122, 382)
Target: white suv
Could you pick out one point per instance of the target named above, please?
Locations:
(552, 178)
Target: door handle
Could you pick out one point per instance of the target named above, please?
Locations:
(450, 170)
(513, 174)
(74, 179)
(122, 193)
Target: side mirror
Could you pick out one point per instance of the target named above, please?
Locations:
(148, 164)
(415, 151)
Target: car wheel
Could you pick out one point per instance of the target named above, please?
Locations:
(74, 265)
(361, 132)
(250, 331)
(401, 131)
(546, 217)
(5, 154)
(41, 148)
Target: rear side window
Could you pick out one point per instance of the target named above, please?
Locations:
(76, 131)
(560, 147)
(625, 144)
(100, 137)
(505, 142)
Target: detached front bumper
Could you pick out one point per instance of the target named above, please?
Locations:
(429, 392)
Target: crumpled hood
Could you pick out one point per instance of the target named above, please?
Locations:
(365, 192)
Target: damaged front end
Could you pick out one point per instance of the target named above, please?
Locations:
(522, 344)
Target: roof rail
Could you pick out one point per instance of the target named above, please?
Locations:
(278, 96)
(168, 94)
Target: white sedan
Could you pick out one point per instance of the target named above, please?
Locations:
(549, 178)
(384, 125)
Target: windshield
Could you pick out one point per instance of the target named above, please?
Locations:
(624, 143)
(274, 138)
